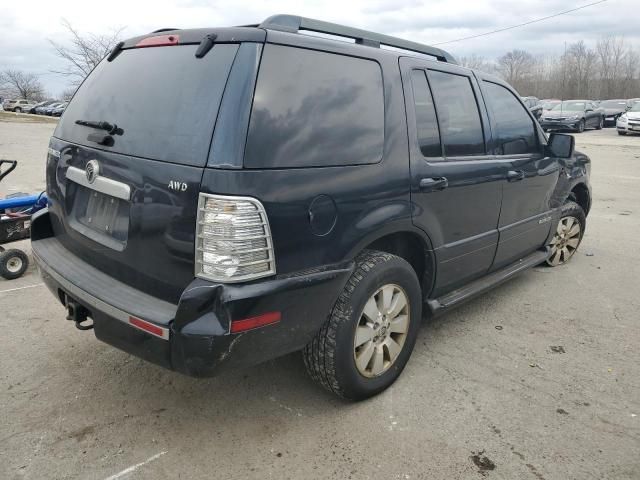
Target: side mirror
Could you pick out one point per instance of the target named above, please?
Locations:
(589, 110)
(561, 145)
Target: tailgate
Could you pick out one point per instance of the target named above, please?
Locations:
(126, 161)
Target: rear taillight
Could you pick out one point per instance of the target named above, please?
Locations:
(233, 240)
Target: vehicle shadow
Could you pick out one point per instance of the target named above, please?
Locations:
(278, 385)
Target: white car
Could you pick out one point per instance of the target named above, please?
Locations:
(18, 106)
(629, 122)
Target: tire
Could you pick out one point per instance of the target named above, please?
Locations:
(17, 110)
(13, 264)
(621, 133)
(581, 126)
(567, 239)
(600, 123)
(330, 358)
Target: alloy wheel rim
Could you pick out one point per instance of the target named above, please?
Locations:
(14, 265)
(381, 331)
(565, 241)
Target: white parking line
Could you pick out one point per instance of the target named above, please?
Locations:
(21, 288)
(133, 468)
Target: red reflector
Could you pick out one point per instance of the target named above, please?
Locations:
(158, 41)
(149, 328)
(255, 322)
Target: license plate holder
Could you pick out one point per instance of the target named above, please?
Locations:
(101, 217)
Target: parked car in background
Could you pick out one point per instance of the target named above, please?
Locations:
(49, 109)
(548, 104)
(59, 110)
(534, 106)
(18, 106)
(629, 122)
(42, 108)
(573, 115)
(613, 109)
(38, 105)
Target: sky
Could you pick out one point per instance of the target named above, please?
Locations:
(29, 25)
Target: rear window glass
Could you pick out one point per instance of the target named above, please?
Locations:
(164, 99)
(315, 109)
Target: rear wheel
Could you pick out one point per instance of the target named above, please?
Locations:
(13, 264)
(368, 338)
(568, 234)
(17, 110)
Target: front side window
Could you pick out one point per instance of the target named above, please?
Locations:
(515, 133)
(315, 109)
(458, 115)
(426, 122)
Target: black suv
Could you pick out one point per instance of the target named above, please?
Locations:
(221, 197)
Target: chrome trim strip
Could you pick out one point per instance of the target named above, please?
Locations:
(92, 301)
(101, 184)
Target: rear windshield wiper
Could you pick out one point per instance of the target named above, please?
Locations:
(113, 129)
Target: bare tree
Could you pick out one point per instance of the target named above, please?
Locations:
(67, 94)
(84, 51)
(516, 67)
(22, 84)
(476, 62)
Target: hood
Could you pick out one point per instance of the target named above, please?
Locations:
(614, 110)
(633, 115)
(562, 113)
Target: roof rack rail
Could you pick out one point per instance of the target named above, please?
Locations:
(164, 30)
(293, 24)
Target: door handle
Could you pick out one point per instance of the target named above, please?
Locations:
(515, 175)
(435, 183)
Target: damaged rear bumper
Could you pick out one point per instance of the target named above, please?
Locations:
(193, 337)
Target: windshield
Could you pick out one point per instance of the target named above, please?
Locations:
(569, 107)
(164, 99)
(549, 105)
(635, 107)
(614, 104)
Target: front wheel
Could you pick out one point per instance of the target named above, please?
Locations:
(600, 123)
(581, 126)
(568, 234)
(621, 133)
(17, 110)
(369, 336)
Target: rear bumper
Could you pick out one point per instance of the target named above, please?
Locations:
(192, 337)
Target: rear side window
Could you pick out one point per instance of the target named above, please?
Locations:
(315, 109)
(164, 99)
(458, 114)
(515, 133)
(426, 122)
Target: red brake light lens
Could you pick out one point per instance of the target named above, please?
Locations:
(158, 41)
(270, 318)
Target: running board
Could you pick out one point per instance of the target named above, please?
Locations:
(438, 306)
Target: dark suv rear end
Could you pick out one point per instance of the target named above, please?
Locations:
(220, 197)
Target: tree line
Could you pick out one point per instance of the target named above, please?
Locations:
(611, 69)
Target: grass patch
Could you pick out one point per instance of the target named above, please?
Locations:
(25, 118)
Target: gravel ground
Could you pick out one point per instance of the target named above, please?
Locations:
(539, 379)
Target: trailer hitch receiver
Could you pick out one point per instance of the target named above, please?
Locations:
(78, 314)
